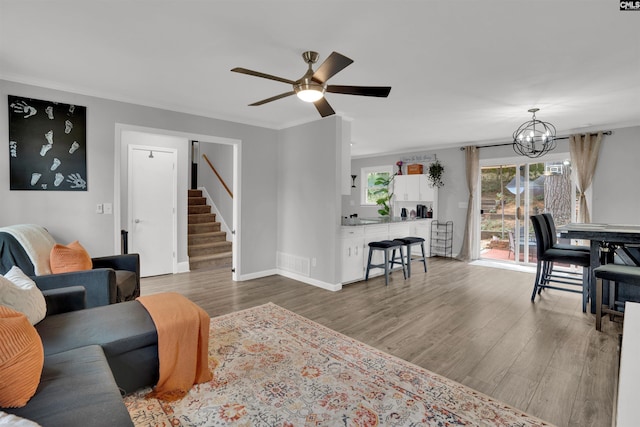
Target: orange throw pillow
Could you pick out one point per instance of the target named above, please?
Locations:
(21, 358)
(73, 257)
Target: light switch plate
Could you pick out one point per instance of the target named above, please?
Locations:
(99, 208)
(108, 208)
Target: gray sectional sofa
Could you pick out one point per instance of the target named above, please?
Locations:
(92, 357)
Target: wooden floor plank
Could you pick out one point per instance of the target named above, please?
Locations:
(473, 324)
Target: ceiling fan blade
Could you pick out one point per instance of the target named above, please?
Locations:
(273, 98)
(380, 91)
(324, 108)
(331, 66)
(263, 75)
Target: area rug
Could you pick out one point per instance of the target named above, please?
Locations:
(272, 367)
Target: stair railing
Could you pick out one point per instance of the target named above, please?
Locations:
(204, 156)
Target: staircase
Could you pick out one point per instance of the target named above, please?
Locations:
(208, 247)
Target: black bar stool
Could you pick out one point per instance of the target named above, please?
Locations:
(408, 242)
(386, 246)
(612, 273)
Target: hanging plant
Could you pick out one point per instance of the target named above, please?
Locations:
(435, 172)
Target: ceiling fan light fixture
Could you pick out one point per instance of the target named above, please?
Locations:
(309, 92)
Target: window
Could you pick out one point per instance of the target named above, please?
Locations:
(370, 191)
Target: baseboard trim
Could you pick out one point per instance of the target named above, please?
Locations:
(257, 275)
(183, 267)
(290, 275)
(310, 281)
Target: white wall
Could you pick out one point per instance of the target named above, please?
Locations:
(309, 168)
(71, 215)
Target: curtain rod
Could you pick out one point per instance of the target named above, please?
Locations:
(606, 132)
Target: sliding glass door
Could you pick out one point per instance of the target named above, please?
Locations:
(510, 193)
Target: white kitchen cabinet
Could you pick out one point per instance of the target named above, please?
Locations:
(352, 244)
(423, 229)
(413, 188)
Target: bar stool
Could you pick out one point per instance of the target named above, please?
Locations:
(408, 242)
(386, 246)
(614, 274)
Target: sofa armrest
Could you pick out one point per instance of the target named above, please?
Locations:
(64, 300)
(127, 262)
(130, 262)
(100, 284)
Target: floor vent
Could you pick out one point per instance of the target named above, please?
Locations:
(293, 263)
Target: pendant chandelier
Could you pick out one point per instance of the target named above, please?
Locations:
(535, 137)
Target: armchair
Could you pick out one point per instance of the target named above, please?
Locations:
(113, 279)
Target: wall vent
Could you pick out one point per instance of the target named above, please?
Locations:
(293, 263)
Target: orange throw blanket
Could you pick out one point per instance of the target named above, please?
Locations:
(183, 344)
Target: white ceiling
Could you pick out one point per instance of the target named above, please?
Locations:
(461, 72)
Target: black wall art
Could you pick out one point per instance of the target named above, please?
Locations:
(47, 145)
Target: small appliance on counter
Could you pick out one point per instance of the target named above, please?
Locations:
(423, 212)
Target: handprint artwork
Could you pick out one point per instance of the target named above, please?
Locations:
(47, 145)
(76, 181)
(21, 107)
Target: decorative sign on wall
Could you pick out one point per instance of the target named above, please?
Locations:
(47, 145)
(418, 158)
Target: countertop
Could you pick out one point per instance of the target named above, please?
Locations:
(378, 220)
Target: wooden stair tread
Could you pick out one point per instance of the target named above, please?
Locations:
(221, 255)
(211, 244)
(201, 218)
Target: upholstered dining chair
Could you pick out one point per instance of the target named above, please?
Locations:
(547, 271)
(551, 227)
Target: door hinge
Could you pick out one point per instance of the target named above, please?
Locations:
(233, 270)
(233, 232)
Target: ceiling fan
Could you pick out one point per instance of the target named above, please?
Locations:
(313, 84)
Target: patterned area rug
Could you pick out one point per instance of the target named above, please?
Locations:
(273, 367)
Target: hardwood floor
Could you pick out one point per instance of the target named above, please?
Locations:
(475, 325)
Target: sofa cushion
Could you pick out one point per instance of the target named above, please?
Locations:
(76, 389)
(118, 328)
(21, 293)
(21, 358)
(69, 258)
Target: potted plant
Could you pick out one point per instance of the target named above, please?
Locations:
(434, 175)
(383, 194)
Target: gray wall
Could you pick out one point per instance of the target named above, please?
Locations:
(221, 157)
(616, 186)
(71, 215)
(309, 194)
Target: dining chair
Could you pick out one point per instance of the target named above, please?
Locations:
(551, 227)
(547, 271)
(612, 274)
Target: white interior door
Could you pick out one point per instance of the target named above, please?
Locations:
(152, 208)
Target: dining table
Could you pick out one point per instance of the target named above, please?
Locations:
(605, 237)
